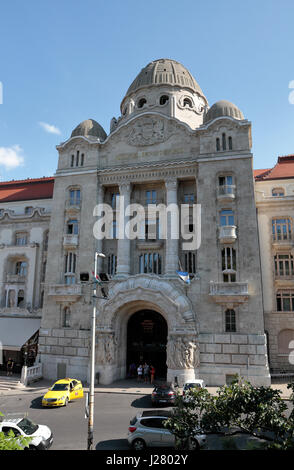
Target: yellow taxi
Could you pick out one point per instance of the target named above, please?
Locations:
(63, 391)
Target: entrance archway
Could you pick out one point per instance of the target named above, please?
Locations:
(146, 341)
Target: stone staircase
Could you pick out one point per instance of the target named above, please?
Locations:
(10, 383)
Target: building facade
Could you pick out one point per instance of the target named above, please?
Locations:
(25, 209)
(167, 147)
(275, 206)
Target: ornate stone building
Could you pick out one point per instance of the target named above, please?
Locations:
(167, 147)
(275, 205)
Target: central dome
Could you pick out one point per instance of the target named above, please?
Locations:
(164, 72)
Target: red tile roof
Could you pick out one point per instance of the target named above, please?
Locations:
(284, 169)
(24, 190)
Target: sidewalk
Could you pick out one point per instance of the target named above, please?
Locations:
(10, 386)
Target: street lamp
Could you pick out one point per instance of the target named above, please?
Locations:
(92, 363)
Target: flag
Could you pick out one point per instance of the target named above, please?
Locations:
(96, 278)
(184, 276)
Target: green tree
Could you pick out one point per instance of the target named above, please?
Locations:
(11, 442)
(237, 408)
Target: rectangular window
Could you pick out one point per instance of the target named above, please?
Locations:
(284, 265)
(111, 264)
(114, 200)
(285, 301)
(227, 218)
(150, 263)
(190, 263)
(229, 265)
(230, 321)
(281, 229)
(151, 197)
(21, 239)
(70, 260)
(74, 197)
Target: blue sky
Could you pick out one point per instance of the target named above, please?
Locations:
(65, 61)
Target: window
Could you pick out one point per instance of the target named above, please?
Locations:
(28, 210)
(151, 197)
(21, 299)
(72, 227)
(281, 229)
(230, 321)
(227, 217)
(152, 229)
(285, 301)
(21, 268)
(141, 102)
(66, 317)
(150, 263)
(78, 158)
(284, 265)
(217, 144)
(113, 233)
(74, 197)
(163, 99)
(45, 240)
(225, 185)
(43, 272)
(230, 140)
(70, 261)
(224, 143)
(189, 198)
(276, 192)
(229, 264)
(72, 160)
(21, 239)
(187, 102)
(114, 200)
(111, 264)
(82, 159)
(190, 263)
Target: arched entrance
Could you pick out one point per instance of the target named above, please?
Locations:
(146, 341)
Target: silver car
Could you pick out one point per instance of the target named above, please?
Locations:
(147, 430)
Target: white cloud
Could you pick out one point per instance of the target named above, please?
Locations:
(50, 128)
(11, 157)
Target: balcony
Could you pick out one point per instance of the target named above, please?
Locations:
(65, 292)
(70, 241)
(229, 292)
(227, 233)
(226, 193)
(15, 279)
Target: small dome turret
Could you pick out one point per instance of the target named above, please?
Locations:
(89, 128)
(223, 108)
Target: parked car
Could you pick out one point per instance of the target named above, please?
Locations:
(62, 392)
(192, 385)
(163, 394)
(41, 436)
(147, 430)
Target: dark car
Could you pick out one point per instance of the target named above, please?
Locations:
(163, 394)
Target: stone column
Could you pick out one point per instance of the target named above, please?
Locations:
(123, 242)
(172, 241)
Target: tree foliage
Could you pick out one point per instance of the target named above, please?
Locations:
(11, 442)
(237, 408)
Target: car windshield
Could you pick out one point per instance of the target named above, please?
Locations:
(27, 426)
(192, 385)
(59, 387)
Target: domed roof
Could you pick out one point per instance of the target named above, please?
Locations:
(223, 108)
(89, 128)
(164, 72)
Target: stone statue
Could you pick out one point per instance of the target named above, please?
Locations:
(182, 353)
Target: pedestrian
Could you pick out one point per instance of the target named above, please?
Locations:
(152, 374)
(146, 372)
(9, 366)
(140, 373)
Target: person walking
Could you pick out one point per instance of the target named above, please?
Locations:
(140, 373)
(152, 374)
(9, 366)
(146, 372)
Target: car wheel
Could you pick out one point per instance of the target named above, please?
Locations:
(193, 444)
(138, 444)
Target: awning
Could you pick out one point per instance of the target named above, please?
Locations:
(15, 332)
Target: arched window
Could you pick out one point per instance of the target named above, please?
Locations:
(72, 160)
(224, 143)
(230, 321)
(230, 140)
(187, 102)
(217, 144)
(163, 99)
(141, 102)
(82, 159)
(276, 192)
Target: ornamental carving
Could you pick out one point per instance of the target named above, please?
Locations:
(182, 352)
(148, 131)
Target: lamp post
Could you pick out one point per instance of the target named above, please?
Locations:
(92, 363)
